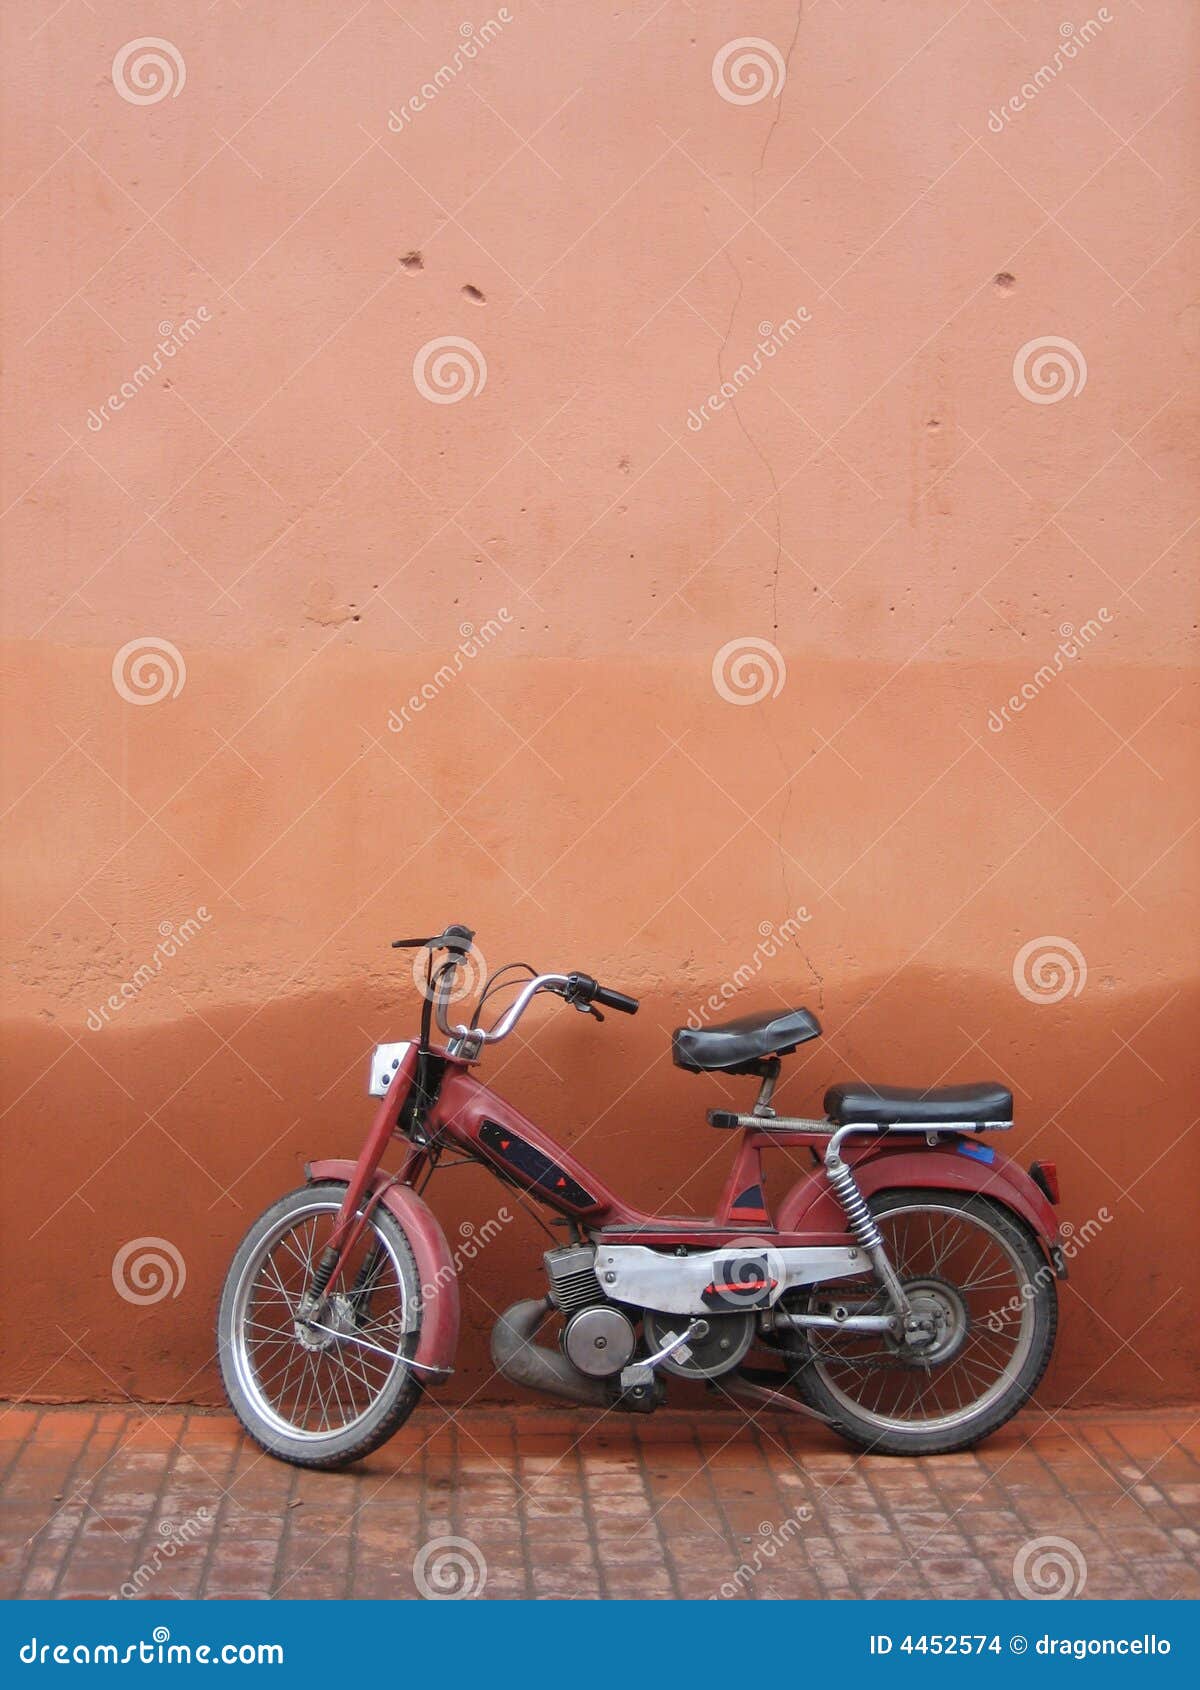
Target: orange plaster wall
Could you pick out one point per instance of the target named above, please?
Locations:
(880, 502)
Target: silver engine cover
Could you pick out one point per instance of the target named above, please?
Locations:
(651, 1279)
(599, 1341)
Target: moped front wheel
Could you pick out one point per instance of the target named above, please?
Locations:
(973, 1267)
(323, 1388)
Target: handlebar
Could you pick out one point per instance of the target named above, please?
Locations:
(578, 989)
(557, 983)
(455, 938)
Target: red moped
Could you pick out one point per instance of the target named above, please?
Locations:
(903, 1292)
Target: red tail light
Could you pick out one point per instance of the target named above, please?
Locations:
(1045, 1176)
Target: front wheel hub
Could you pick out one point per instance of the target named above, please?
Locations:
(335, 1315)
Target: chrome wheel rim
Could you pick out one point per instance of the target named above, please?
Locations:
(894, 1391)
(311, 1384)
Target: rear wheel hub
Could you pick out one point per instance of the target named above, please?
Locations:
(937, 1327)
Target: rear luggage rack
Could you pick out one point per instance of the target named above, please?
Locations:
(728, 1120)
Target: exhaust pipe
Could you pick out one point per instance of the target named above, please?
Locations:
(538, 1368)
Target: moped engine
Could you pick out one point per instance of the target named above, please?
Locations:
(597, 1339)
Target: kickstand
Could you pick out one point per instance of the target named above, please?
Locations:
(747, 1390)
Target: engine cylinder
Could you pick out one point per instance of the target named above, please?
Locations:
(571, 1271)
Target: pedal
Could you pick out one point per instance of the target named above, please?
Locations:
(641, 1391)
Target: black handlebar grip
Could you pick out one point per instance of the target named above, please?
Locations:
(615, 1000)
(455, 938)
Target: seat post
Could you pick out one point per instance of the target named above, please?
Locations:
(769, 1069)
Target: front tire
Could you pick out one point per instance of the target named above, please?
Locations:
(324, 1394)
(981, 1268)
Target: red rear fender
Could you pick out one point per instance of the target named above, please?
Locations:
(810, 1206)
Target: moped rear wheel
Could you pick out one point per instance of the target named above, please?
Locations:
(979, 1271)
(325, 1391)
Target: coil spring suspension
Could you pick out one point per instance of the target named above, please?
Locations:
(845, 1189)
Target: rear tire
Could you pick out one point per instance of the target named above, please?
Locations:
(1007, 1308)
(330, 1400)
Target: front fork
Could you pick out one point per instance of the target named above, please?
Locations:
(357, 1208)
(365, 1280)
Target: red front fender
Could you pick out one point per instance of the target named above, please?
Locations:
(435, 1265)
(810, 1206)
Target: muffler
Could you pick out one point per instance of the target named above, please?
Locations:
(535, 1366)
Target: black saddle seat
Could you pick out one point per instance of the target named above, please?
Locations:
(736, 1046)
(855, 1104)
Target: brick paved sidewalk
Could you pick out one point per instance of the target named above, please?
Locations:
(162, 1504)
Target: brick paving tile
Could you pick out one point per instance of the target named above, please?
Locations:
(104, 1501)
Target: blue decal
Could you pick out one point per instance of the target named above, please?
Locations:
(980, 1152)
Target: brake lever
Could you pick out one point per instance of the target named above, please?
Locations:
(584, 1008)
